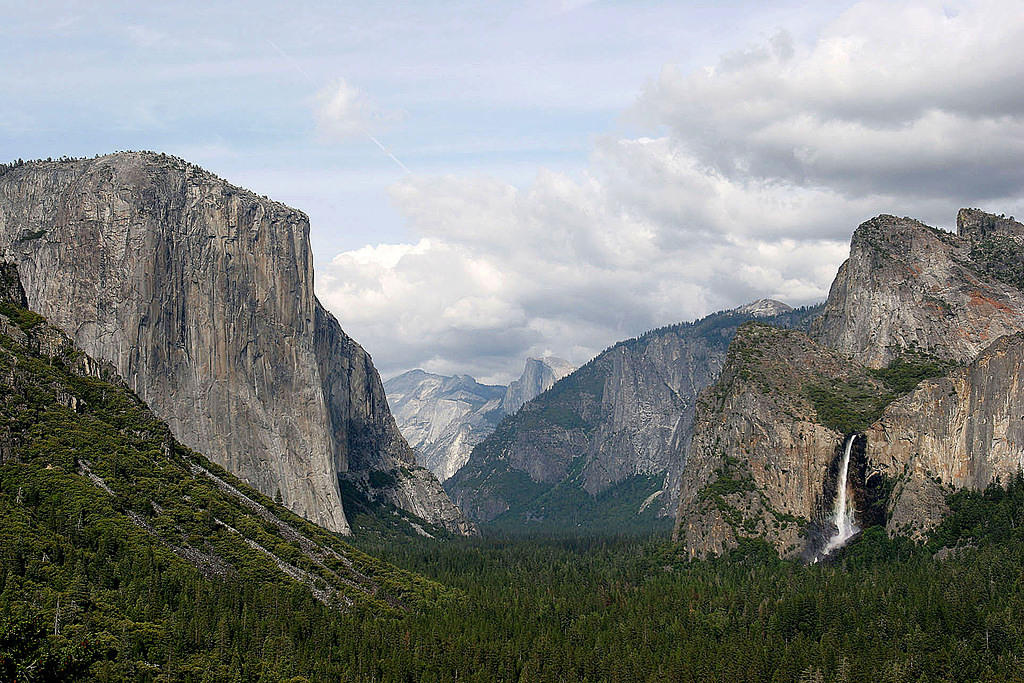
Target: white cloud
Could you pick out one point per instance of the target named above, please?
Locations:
(909, 98)
(755, 174)
(343, 112)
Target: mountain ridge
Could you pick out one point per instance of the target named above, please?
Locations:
(921, 336)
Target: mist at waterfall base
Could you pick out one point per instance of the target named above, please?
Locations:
(842, 518)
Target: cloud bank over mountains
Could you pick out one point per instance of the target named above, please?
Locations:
(740, 180)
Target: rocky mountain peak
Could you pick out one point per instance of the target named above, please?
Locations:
(763, 308)
(978, 225)
(539, 375)
(885, 233)
(909, 286)
(444, 417)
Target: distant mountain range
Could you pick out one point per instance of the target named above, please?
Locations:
(603, 449)
(903, 387)
(444, 417)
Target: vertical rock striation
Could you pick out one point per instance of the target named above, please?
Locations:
(965, 430)
(907, 286)
(201, 295)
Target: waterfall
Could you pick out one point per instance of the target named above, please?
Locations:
(842, 512)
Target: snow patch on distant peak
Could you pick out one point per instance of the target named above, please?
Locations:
(764, 308)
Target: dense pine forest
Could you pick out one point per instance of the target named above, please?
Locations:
(633, 609)
(534, 609)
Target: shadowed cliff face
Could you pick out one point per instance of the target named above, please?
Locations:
(201, 295)
(909, 286)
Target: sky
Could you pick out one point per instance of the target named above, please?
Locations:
(491, 181)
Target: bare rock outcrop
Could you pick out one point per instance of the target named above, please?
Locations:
(965, 430)
(201, 295)
(910, 286)
(539, 375)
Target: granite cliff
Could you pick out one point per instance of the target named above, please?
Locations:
(964, 430)
(200, 294)
(77, 444)
(539, 375)
(603, 448)
(443, 418)
(766, 443)
(907, 285)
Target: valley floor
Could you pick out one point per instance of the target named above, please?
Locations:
(633, 609)
(618, 609)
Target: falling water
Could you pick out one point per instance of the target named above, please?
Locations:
(842, 513)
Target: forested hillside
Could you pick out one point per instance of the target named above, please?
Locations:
(126, 556)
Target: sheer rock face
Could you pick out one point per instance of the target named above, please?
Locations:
(443, 417)
(627, 413)
(201, 295)
(760, 464)
(965, 430)
(539, 375)
(909, 286)
(646, 409)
